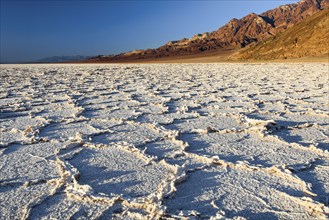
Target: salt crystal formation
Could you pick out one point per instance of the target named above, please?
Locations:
(171, 141)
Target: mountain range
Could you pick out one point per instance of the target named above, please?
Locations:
(60, 59)
(250, 31)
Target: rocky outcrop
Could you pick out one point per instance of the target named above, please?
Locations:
(309, 38)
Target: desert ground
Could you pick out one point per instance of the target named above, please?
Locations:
(170, 141)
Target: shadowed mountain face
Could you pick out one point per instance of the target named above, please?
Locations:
(307, 38)
(237, 33)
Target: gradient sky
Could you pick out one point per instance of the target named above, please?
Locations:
(31, 30)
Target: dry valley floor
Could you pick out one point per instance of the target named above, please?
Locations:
(150, 141)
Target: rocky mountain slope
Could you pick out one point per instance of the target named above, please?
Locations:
(237, 33)
(310, 37)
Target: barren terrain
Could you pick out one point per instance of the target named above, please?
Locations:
(150, 141)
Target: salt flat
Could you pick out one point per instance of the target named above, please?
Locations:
(218, 141)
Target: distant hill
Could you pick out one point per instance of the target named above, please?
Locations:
(308, 38)
(60, 59)
(236, 34)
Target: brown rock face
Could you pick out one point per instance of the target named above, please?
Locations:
(308, 38)
(236, 33)
(254, 28)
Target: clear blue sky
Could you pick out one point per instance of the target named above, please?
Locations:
(36, 29)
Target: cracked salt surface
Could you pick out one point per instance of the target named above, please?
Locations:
(169, 141)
